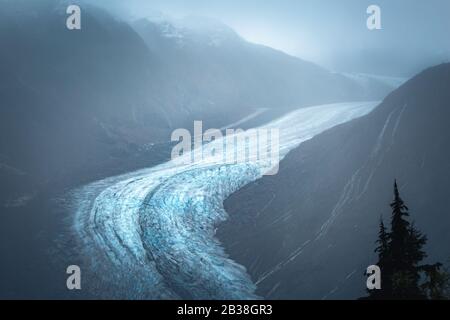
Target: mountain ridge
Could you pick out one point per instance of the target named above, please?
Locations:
(324, 206)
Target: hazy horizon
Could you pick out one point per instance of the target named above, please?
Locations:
(330, 34)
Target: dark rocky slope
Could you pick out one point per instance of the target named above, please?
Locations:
(309, 231)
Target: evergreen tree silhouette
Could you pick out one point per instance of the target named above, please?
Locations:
(406, 252)
(383, 262)
(400, 253)
(383, 245)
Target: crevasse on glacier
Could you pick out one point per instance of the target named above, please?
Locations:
(150, 234)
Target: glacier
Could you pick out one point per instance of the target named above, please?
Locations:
(150, 234)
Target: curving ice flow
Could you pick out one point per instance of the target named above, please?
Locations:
(150, 234)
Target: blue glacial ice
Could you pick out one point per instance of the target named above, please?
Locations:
(150, 234)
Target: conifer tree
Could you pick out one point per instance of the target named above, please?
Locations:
(400, 252)
(405, 251)
(383, 262)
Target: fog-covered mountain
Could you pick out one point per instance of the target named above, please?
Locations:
(209, 59)
(75, 100)
(309, 232)
(70, 99)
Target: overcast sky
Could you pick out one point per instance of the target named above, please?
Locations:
(332, 33)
